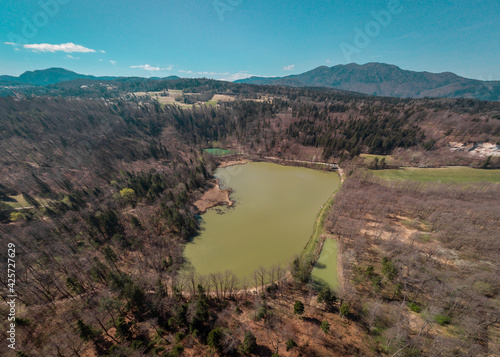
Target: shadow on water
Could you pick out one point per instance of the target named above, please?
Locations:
(318, 284)
(319, 265)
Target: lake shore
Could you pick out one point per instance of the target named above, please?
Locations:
(277, 206)
(213, 197)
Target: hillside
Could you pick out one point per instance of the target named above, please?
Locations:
(109, 179)
(387, 80)
(53, 76)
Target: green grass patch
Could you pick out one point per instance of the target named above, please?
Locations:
(415, 307)
(20, 202)
(415, 224)
(424, 238)
(212, 102)
(369, 158)
(219, 152)
(442, 319)
(443, 175)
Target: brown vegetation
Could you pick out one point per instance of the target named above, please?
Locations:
(421, 261)
(214, 196)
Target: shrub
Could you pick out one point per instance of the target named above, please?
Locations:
(249, 343)
(326, 296)
(325, 326)
(127, 194)
(389, 269)
(261, 313)
(415, 307)
(345, 309)
(179, 336)
(290, 344)
(18, 216)
(442, 319)
(176, 351)
(298, 307)
(214, 338)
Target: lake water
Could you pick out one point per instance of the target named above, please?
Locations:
(272, 219)
(324, 272)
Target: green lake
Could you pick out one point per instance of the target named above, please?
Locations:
(272, 219)
(324, 272)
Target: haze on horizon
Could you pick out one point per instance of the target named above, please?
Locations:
(234, 39)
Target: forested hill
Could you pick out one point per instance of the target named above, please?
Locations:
(54, 76)
(63, 139)
(387, 80)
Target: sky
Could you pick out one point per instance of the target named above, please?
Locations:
(234, 39)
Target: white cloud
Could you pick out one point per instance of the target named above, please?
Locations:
(147, 67)
(10, 43)
(328, 61)
(102, 51)
(289, 68)
(226, 76)
(211, 73)
(64, 47)
(71, 57)
(112, 62)
(236, 76)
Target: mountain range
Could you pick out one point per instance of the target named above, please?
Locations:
(387, 80)
(377, 79)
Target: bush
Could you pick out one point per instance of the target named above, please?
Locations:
(326, 296)
(325, 326)
(415, 307)
(369, 270)
(18, 216)
(345, 309)
(127, 194)
(290, 344)
(176, 351)
(179, 336)
(376, 283)
(214, 338)
(249, 343)
(298, 308)
(442, 319)
(389, 269)
(261, 313)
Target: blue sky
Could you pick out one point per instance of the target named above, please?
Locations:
(231, 39)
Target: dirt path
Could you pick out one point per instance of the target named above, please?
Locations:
(334, 166)
(233, 163)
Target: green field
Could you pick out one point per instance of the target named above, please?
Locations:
(369, 158)
(219, 152)
(447, 174)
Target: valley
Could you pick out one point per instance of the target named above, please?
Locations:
(103, 192)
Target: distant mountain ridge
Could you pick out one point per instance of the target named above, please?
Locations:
(372, 78)
(50, 76)
(387, 80)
